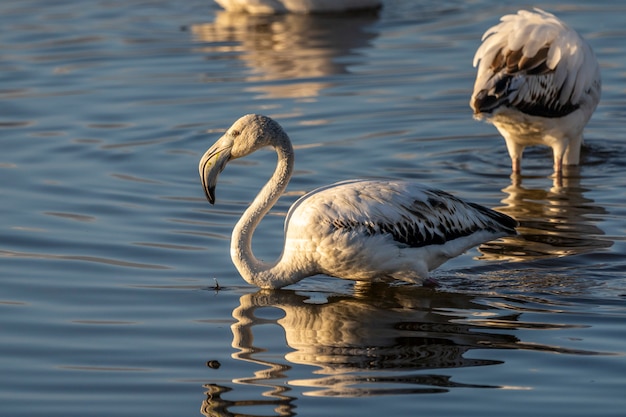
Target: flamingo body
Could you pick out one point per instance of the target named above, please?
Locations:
(538, 82)
(358, 229)
(375, 229)
(297, 6)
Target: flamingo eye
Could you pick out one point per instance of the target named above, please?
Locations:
(235, 133)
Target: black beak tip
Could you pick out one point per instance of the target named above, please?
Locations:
(210, 195)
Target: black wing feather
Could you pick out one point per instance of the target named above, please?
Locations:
(439, 219)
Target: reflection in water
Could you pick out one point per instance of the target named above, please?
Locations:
(556, 222)
(288, 54)
(381, 340)
(215, 405)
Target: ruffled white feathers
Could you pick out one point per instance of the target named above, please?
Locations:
(532, 67)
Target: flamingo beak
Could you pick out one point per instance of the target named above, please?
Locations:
(211, 165)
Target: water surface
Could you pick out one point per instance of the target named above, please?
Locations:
(109, 252)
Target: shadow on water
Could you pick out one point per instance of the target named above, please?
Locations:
(380, 340)
(554, 222)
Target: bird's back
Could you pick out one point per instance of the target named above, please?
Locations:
(409, 214)
(533, 63)
(371, 229)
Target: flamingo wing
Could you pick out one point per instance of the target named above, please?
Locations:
(534, 63)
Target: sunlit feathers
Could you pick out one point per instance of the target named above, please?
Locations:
(357, 229)
(538, 82)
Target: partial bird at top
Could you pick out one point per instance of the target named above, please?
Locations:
(538, 82)
(364, 230)
(298, 6)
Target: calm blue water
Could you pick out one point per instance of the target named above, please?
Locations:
(109, 251)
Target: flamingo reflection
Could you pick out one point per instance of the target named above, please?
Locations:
(380, 340)
(288, 55)
(554, 222)
(377, 340)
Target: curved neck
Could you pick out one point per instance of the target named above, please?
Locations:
(253, 270)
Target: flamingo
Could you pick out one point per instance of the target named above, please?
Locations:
(359, 229)
(538, 82)
(297, 6)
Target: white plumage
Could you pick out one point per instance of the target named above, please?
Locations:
(356, 229)
(538, 82)
(297, 6)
